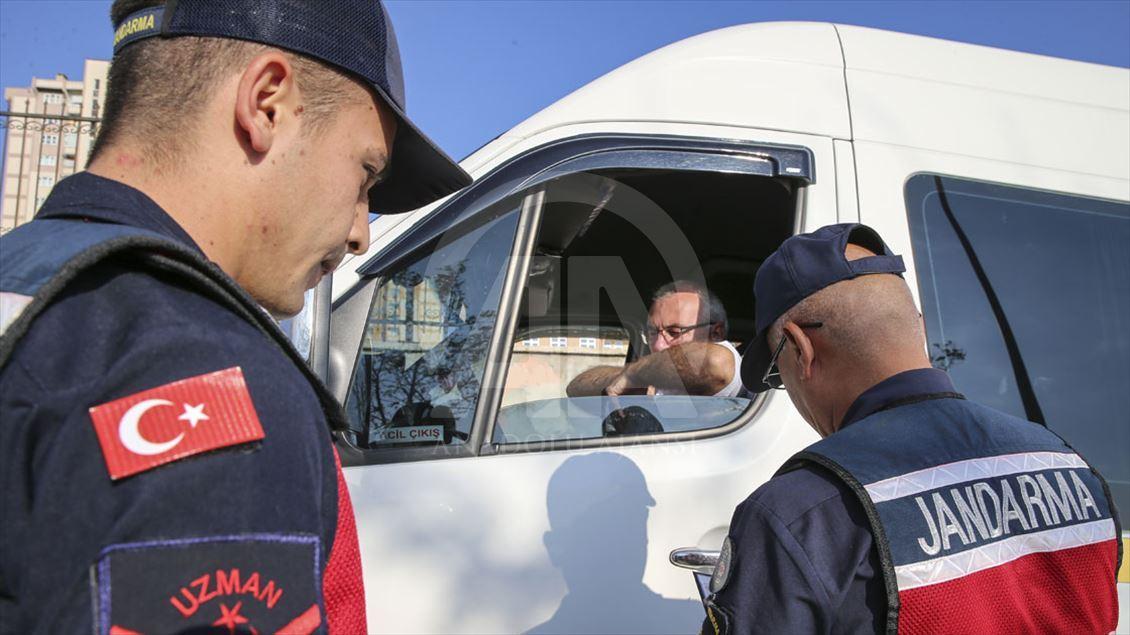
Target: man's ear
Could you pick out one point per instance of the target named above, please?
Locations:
(803, 351)
(716, 333)
(265, 89)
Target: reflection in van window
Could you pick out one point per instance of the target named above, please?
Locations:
(1026, 296)
(425, 344)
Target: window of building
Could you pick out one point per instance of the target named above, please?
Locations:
(46, 181)
(1026, 296)
(70, 139)
(76, 99)
(47, 159)
(538, 374)
(52, 98)
(422, 386)
(51, 139)
(558, 342)
(615, 344)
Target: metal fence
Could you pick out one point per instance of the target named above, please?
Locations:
(39, 151)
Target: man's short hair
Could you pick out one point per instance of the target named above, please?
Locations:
(157, 88)
(708, 301)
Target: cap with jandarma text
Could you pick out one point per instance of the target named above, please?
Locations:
(355, 36)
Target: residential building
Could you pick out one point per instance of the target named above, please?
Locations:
(49, 130)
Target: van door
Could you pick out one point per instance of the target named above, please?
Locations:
(487, 499)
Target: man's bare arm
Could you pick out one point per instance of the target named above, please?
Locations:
(593, 381)
(697, 368)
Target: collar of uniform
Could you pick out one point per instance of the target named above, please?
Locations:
(920, 381)
(94, 198)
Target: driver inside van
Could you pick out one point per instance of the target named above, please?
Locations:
(686, 331)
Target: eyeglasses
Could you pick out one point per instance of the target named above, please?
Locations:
(671, 333)
(772, 377)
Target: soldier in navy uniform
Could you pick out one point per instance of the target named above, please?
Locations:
(168, 464)
(918, 512)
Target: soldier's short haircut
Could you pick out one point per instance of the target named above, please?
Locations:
(865, 318)
(158, 87)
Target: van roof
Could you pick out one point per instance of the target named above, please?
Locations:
(677, 82)
(802, 76)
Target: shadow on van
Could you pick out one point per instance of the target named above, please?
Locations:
(598, 541)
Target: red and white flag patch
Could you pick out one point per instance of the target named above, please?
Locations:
(171, 422)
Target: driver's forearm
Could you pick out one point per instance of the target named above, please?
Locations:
(592, 382)
(698, 368)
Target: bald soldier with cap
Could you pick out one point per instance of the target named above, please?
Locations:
(918, 511)
(168, 464)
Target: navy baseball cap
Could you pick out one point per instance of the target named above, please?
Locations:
(801, 266)
(354, 36)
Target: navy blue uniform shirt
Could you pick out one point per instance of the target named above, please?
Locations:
(803, 559)
(262, 515)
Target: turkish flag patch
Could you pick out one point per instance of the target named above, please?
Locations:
(170, 422)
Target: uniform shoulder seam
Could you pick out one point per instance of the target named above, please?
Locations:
(796, 547)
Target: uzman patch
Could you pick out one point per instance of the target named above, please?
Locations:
(255, 583)
(174, 421)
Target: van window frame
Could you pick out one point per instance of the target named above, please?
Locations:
(526, 172)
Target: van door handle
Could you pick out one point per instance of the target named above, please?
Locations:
(700, 560)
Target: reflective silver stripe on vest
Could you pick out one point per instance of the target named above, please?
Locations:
(946, 568)
(11, 306)
(973, 469)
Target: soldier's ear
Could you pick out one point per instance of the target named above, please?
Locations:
(265, 90)
(802, 350)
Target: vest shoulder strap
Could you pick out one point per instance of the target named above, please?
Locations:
(32, 276)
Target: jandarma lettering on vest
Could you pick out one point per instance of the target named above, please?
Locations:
(988, 509)
(1012, 503)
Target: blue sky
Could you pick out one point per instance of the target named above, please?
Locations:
(475, 68)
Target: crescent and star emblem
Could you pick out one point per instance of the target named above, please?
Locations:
(130, 433)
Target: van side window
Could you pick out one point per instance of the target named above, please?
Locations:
(1026, 296)
(607, 241)
(424, 347)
